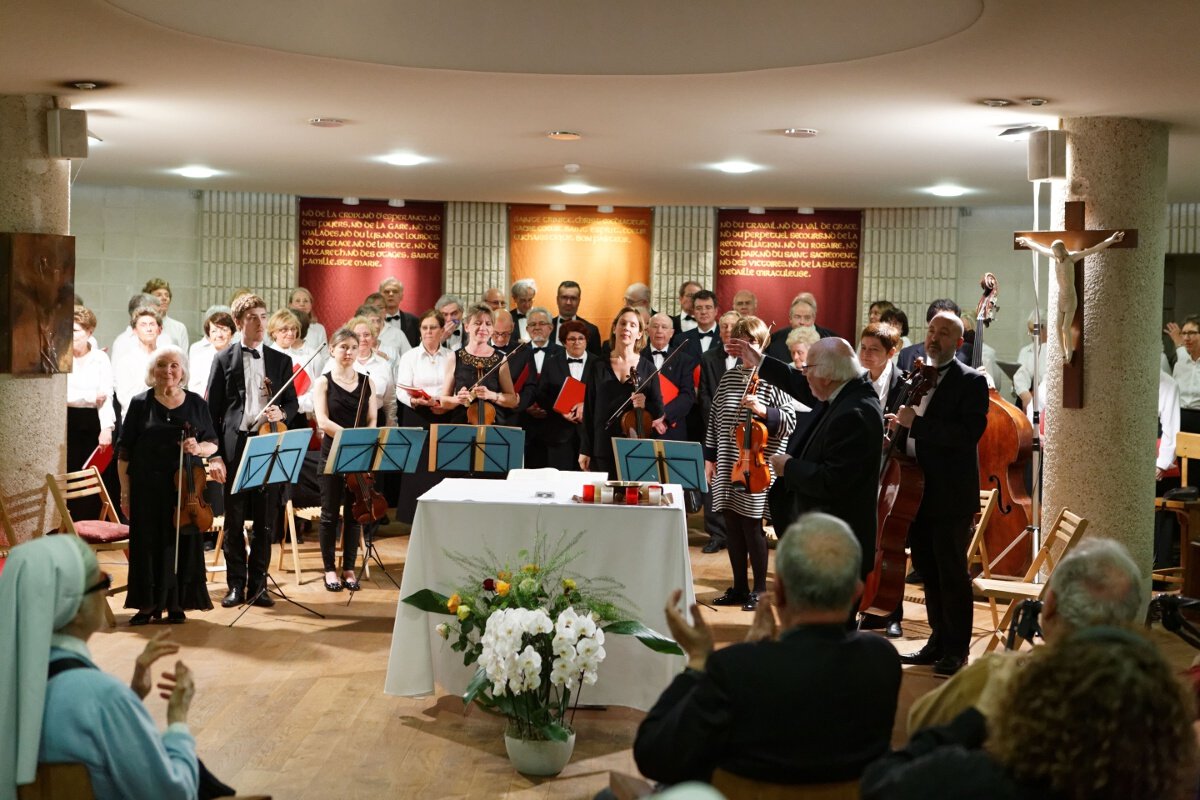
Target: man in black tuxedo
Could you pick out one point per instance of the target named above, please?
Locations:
(560, 430)
(684, 321)
(713, 366)
(705, 335)
(505, 340)
(803, 313)
(942, 432)
(675, 377)
(834, 466)
(393, 293)
(238, 391)
(523, 292)
(568, 297)
(737, 708)
(917, 350)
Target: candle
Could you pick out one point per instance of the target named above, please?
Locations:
(654, 495)
(606, 495)
(589, 493)
(631, 496)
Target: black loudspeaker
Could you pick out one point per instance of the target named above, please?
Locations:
(1047, 155)
(66, 133)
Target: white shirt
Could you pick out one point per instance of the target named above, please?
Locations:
(1163, 363)
(91, 376)
(300, 356)
(1168, 417)
(686, 322)
(127, 339)
(1023, 377)
(576, 369)
(1187, 375)
(420, 370)
(177, 331)
(730, 362)
(200, 358)
(317, 338)
(393, 342)
(255, 372)
(522, 334)
(707, 341)
(129, 374)
(883, 384)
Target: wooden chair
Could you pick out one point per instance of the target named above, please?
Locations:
(72, 782)
(1063, 535)
(735, 787)
(1187, 446)
(104, 534)
(977, 548)
(312, 514)
(218, 555)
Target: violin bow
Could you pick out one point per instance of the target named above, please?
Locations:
(653, 374)
(500, 364)
(283, 388)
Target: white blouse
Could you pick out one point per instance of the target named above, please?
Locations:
(419, 369)
(91, 376)
(129, 374)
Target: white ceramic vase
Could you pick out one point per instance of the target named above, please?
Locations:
(537, 757)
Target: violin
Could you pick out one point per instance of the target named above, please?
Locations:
(480, 411)
(270, 427)
(635, 421)
(368, 505)
(901, 487)
(192, 508)
(750, 472)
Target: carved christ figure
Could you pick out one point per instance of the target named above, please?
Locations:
(1064, 274)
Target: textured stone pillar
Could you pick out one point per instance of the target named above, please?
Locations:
(1100, 458)
(35, 197)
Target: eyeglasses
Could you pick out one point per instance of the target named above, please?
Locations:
(102, 585)
(1191, 333)
(537, 324)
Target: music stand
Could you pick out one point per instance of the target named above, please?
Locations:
(661, 461)
(374, 450)
(476, 448)
(269, 459)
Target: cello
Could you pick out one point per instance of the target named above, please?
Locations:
(1004, 452)
(368, 505)
(901, 487)
(750, 472)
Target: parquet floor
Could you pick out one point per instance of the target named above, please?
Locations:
(292, 705)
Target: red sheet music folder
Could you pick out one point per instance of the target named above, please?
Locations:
(570, 395)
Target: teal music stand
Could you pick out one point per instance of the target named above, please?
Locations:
(660, 461)
(476, 448)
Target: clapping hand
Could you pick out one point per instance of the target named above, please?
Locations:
(155, 649)
(695, 639)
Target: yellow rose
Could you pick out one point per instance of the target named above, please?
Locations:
(569, 584)
(463, 612)
(453, 602)
(502, 588)
(530, 569)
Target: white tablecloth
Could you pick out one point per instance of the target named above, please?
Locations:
(643, 548)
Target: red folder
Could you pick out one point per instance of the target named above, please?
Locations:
(570, 395)
(696, 376)
(669, 390)
(414, 391)
(302, 383)
(100, 458)
(519, 383)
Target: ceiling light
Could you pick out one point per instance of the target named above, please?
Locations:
(557, 207)
(946, 190)
(196, 172)
(350, 201)
(570, 169)
(1035, 101)
(605, 209)
(806, 210)
(736, 167)
(564, 136)
(800, 133)
(396, 202)
(757, 210)
(404, 159)
(996, 102)
(326, 122)
(575, 188)
(1019, 133)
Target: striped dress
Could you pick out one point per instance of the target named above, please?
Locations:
(723, 418)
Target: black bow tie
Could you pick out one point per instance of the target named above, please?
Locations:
(689, 317)
(574, 360)
(945, 366)
(658, 352)
(253, 353)
(393, 318)
(710, 333)
(539, 349)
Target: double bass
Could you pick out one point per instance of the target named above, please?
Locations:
(901, 487)
(1005, 451)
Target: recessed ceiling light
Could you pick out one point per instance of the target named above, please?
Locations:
(558, 207)
(736, 167)
(757, 210)
(800, 133)
(575, 188)
(396, 202)
(996, 102)
(1035, 101)
(570, 169)
(564, 136)
(326, 122)
(806, 210)
(946, 190)
(605, 209)
(404, 159)
(196, 172)
(350, 201)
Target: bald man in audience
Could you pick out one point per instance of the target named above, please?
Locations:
(1097, 583)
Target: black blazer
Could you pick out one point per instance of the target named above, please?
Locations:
(693, 339)
(947, 436)
(680, 370)
(835, 467)
(712, 369)
(555, 429)
(227, 394)
(906, 356)
(593, 335)
(677, 321)
(410, 326)
(741, 712)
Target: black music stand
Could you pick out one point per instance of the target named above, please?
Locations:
(374, 450)
(476, 448)
(661, 461)
(269, 459)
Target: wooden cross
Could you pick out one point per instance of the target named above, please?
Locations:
(1076, 237)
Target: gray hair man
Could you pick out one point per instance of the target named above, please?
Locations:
(523, 292)
(736, 708)
(1097, 583)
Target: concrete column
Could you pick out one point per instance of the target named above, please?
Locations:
(35, 197)
(1100, 458)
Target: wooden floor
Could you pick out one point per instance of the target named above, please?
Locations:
(293, 705)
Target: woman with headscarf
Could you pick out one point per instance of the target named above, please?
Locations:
(56, 706)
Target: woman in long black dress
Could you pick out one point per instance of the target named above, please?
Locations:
(473, 360)
(161, 421)
(608, 387)
(342, 398)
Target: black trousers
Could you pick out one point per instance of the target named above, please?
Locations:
(714, 521)
(335, 498)
(746, 539)
(261, 506)
(939, 552)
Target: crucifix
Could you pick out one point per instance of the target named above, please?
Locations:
(1073, 245)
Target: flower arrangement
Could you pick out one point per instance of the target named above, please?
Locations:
(536, 631)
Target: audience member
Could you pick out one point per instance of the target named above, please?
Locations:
(301, 299)
(1023, 377)
(90, 415)
(218, 333)
(568, 299)
(1187, 371)
(171, 327)
(129, 366)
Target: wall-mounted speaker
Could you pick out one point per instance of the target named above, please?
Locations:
(66, 133)
(1048, 155)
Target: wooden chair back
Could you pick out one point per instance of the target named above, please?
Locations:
(58, 782)
(1064, 534)
(977, 552)
(1187, 446)
(73, 485)
(735, 787)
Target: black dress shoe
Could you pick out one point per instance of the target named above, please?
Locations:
(914, 578)
(893, 631)
(263, 599)
(948, 665)
(713, 546)
(924, 657)
(732, 598)
(751, 602)
(235, 597)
